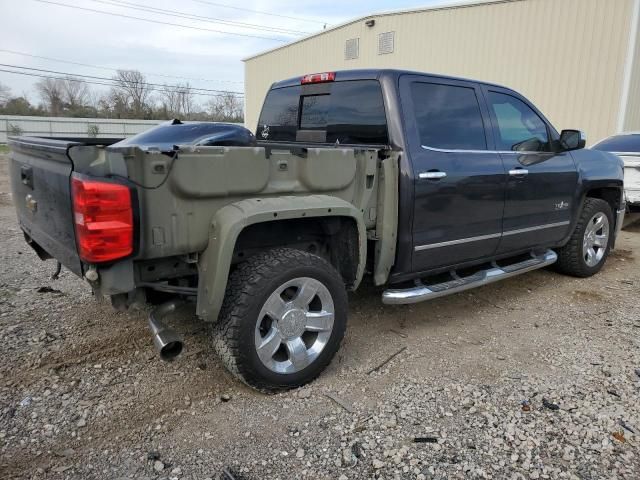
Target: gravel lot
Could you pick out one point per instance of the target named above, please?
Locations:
(535, 377)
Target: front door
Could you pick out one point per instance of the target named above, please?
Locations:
(459, 178)
(541, 183)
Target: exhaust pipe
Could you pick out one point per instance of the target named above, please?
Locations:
(166, 340)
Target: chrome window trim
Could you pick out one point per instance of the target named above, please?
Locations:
(460, 241)
(517, 152)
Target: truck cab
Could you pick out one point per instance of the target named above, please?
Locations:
(482, 175)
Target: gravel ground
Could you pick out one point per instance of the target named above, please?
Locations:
(535, 377)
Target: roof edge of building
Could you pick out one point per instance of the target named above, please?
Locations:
(446, 6)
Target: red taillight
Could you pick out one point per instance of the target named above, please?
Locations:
(104, 219)
(318, 78)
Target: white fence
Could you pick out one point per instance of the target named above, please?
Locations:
(71, 127)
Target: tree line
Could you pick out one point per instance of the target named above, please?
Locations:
(129, 96)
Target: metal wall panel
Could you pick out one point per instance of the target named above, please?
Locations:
(632, 120)
(567, 56)
(66, 126)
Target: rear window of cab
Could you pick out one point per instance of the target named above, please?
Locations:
(349, 112)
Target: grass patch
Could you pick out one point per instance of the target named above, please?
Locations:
(4, 148)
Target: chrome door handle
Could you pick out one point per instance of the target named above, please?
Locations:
(518, 172)
(432, 175)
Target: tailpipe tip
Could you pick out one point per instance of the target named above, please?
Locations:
(168, 344)
(171, 351)
(166, 340)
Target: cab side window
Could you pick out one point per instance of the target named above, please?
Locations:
(448, 116)
(518, 127)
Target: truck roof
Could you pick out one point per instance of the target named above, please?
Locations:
(377, 73)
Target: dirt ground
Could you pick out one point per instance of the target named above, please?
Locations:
(534, 377)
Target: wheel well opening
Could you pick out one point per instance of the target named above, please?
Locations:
(611, 195)
(333, 238)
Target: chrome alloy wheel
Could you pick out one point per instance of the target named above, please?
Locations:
(596, 239)
(294, 325)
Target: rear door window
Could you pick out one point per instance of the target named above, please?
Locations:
(350, 112)
(448, 116)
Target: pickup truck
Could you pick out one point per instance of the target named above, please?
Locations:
(428, 184)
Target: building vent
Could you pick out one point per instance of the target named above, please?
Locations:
(351, 49)
(385, 42)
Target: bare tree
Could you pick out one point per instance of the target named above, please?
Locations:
(94, 99)
(51, 94)
(75, 94)
(226, 107)
(170, 100)
(5, 94)
(177, 100)
(115, 104)
(132, 91)
(187, 102)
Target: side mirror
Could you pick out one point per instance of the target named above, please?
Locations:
(572, 140)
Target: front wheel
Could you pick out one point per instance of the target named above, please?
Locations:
(282, 319)
(588, 248)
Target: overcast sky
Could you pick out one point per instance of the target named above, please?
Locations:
(45, 28)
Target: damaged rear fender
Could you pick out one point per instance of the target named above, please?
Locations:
(215, 262)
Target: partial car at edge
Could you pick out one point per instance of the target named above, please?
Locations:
(626, 146)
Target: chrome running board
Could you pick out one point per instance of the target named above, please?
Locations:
(422, 292)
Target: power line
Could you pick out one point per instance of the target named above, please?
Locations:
(113, 83)
(148, 20)
(115, 69)
(260, 12)
(29, 74)
(177, 87)
(200, 18)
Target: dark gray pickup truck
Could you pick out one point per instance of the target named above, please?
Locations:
(430, 184)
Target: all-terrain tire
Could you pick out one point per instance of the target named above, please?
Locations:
(248, 288)
(571, 257)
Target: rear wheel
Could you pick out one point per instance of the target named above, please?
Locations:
(282, 319)
(589, 245)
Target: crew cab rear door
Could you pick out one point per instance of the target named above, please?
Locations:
(459, 178)
(541, 183)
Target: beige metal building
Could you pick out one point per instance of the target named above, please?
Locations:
(577, 60)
